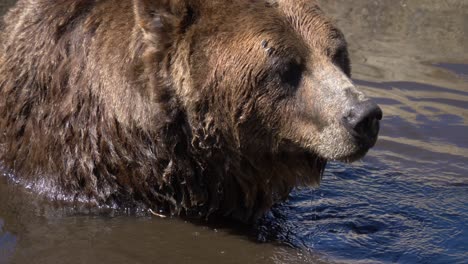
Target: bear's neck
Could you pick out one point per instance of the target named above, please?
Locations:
(222, 180)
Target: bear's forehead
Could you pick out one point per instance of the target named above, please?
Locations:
(295, 26)
(261, 35)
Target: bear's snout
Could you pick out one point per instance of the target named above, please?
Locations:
(362, 121)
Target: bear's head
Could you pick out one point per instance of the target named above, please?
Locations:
(273, 75)
(268, 77)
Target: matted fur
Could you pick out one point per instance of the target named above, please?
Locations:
(94, 108)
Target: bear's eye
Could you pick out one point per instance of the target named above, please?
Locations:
(292, 74)
(340, 58)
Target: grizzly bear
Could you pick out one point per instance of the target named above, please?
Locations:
(187, 107)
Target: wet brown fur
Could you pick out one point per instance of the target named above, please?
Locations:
(102, 106)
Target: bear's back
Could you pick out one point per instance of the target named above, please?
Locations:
(67, 82)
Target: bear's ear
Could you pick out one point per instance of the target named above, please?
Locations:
(156, 17)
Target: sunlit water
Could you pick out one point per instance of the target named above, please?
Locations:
(406, 202)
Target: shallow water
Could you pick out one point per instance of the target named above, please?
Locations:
(406, 202)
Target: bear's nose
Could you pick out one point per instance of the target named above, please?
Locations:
(363, 120)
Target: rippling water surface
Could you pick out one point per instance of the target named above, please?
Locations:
(406, 202)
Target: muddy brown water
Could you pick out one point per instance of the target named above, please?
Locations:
(406, 202)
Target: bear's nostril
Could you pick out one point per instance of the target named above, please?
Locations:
(364, 119)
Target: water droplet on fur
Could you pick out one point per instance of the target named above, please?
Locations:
(270, 51)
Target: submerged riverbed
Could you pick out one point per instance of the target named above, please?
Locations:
(406, 201)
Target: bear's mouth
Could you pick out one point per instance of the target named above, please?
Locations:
(362, 145)
(338, 143)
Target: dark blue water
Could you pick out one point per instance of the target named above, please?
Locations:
(405, 202)
(373, 212)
